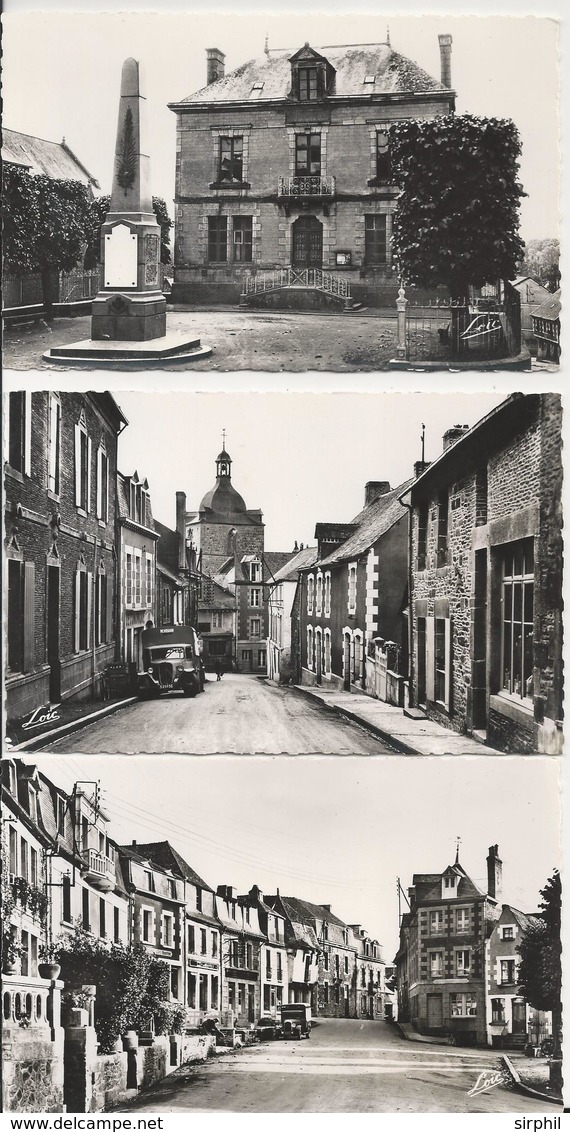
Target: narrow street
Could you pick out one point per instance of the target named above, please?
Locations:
(346, 1066)
(241, 715)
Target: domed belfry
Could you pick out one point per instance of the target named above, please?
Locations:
(229, 540)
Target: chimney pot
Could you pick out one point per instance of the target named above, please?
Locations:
(445, 42)
(215, 65)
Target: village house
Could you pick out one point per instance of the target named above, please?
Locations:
(273, 971)
(282, 644)
(486, 578)
(158, 912)
(136, 564)
(242, 942)
(532, 295)
(355, 592)
(441, 958)
(511, 1022)
(302, 947)
(178, 577)
(369, 975)
(334, 994)
(283, 172)
(202, 940)
(60, 545)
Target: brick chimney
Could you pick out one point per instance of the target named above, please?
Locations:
(374, 489)
(181, 528)
(215, 65)
(420, 466)
(453, 435)
(445, 42)
(494, 872)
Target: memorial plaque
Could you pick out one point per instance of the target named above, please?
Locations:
(121, 257)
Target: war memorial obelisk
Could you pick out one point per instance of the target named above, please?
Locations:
(128, 316)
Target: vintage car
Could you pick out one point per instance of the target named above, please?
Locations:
(295, 1020)
(267, 1029)
(171, 661)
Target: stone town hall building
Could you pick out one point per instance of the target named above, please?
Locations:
(285, 162)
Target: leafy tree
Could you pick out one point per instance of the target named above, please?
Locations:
(541, 259)
(97, 213)
(457, 215)
(131, 984)
(540, 972)
(45, 226)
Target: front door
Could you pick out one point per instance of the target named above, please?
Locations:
(434, 1011)
(251, 1004)
(307, 242)
(346, 662)
(519, 1016)
(53, 577)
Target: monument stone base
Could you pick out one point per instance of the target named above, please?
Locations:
(116, 316)
(173, 348)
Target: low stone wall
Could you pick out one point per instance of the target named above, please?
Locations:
(32, 1071)
(117, 1076)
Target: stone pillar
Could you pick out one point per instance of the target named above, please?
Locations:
(401, 307)
(80, 1056)
(130, 307)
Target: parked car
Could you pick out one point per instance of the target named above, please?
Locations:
(267, 1029)
(171, 661)
(296, 1020)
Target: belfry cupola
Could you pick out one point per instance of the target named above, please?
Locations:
(223, 499)
(223, 464)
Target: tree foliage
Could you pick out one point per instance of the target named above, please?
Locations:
(97, 213)
(131, 984)
(541, 260)
(45, 222)
(540, 972)
(457, 215)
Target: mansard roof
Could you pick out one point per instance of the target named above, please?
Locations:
(393, 75)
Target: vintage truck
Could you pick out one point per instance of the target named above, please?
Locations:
(172, 661)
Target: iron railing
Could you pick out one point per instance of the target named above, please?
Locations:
(483, 329)
(297, 277)
(306, 186)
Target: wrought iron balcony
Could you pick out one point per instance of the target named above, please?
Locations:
(306, 186)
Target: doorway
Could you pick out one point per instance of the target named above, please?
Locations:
(434, 1011)
(53, 602)
(346, 666)
(307, 250)
(519, 1016)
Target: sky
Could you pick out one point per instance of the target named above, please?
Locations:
(301, 458)
(502, 66)
(333, 830)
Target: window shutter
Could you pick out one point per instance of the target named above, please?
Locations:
(430, 658)
(77, 467)
(29, 606)
(27, 433)
(89, 608)
(99, 485)
(76, 608)
(447, 663)
(88, 501)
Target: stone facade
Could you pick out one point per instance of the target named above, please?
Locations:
(60, 545)
(274, 171)
(354, 593)
(486, 532)
(441, 960)
(511, 1022)
(136, 581)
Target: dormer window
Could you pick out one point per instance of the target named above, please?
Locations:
(312, 76)
(450, 885)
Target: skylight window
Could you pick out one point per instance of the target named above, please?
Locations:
(370, 79)
(256, 90)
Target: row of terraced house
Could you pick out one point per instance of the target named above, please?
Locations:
(444, 594)
(87, 564)
(235, 956)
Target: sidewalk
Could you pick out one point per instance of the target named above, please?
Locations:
(65, 718)
(410, 736)
(407, 1031)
